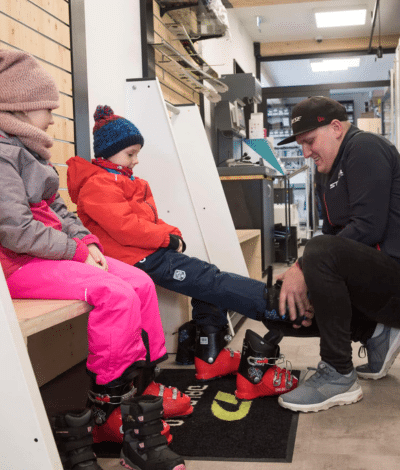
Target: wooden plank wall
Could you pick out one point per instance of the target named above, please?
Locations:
(42, 28)
(174, 90)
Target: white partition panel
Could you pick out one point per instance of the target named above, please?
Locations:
(178, 163)
(26, 440)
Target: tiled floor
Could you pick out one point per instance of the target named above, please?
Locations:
(363, 436)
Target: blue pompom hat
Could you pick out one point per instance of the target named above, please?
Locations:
(112, 133)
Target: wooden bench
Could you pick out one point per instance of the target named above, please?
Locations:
(36, 315)
(55, 332)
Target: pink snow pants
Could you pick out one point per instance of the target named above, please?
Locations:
(124, 301)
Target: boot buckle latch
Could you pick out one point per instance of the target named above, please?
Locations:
(257, 361)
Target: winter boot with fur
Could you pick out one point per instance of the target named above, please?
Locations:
(73, 435)
(144, 447)
(258, 375)
(212, 359)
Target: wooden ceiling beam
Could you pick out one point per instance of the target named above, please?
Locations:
(311, 46)
(265, 3)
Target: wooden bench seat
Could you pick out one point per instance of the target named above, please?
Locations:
(36, 315)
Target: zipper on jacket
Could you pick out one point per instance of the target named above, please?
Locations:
(151, 207)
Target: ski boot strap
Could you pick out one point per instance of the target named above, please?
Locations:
(99, 398)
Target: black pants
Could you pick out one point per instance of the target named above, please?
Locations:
(352, 287)
(213, 291)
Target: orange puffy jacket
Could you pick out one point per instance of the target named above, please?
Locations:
(121, 212)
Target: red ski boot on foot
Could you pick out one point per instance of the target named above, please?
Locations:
(227, 362)
(175, 403)
(212, 359)
(258, 375)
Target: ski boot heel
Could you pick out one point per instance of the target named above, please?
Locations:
(212, 359)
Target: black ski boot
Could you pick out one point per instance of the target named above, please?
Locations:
(73, 435)
(186, 343)
(144, 447)
(212, 359)
(258, 374)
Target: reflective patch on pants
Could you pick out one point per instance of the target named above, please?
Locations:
(142, 260)
(179, 275)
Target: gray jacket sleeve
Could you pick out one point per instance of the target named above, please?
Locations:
(71, 224)
(19, 231)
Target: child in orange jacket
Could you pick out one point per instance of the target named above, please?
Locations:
(119, 208)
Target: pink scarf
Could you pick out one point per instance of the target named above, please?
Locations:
(32, 137)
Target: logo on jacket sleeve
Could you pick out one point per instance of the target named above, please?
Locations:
(179, 275)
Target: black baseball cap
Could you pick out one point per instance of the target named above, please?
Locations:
(316, 111)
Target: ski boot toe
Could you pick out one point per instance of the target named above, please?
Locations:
(175, 403)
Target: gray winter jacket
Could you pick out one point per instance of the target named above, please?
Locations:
(34, 221)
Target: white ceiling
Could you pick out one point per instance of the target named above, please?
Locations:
(295, 21)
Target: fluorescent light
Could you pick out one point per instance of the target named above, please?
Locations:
(329, 19)
(331, 65)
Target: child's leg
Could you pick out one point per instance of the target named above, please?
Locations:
(213, 291)
(150, 315)
(115, 323)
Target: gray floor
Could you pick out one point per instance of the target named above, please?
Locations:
(363, 436)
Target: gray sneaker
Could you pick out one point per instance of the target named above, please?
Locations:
(324, 389)
(381, 351)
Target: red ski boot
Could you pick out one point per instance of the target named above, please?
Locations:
(175, 403)
(258, 375)
(212, 359)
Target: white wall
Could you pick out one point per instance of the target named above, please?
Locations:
(221, 52)
(113, 49)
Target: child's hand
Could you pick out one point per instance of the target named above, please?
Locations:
(98, 257)
(91, 262)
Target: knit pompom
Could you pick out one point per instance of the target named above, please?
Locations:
(102, 112)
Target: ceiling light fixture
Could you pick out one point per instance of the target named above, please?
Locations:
(332, 65)
(330, 19)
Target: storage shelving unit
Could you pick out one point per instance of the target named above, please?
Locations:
(349, 105)
(278, 119)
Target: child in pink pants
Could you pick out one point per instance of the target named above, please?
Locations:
(46, 253)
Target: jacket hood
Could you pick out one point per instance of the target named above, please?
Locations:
(79, 172)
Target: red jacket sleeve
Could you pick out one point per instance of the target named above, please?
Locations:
(129, 220)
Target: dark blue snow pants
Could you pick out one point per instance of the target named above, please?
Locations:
(213, 291)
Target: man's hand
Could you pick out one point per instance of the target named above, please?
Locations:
(294, 294)
(97, 256)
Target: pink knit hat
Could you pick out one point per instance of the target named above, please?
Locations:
(24, 84)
